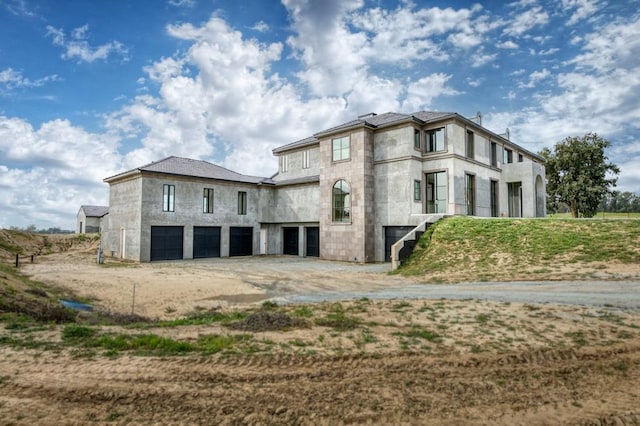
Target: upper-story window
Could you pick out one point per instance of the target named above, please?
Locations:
(470, 146)
(341, 202)
(242, 202)
(417, 190)
(284, 163)
(168, 198)
(207, 200)
(341, 148)
(520, 158)
(508, 156)
(417, 143)
(435, 140)
(494, 154)
(306, 159)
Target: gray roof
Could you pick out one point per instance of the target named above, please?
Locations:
(372, 121)
(95, 211)
(193, 168)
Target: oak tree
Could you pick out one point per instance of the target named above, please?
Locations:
(579, 174)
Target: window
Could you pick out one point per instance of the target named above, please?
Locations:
(341, 200)
(207, 200)
(508, 156)
(515, 199)
(437, 192)
(520, 158)
(417, 190)
(494, 198)
(341, 149)
(416, 139)
(284, 163)
(470, 145)
(242, 202)
(470, 194)
(494, 154)
(435, 140)
(168, 198)
(305, 159)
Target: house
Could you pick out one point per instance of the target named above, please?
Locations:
(345, 193)
(88, 219)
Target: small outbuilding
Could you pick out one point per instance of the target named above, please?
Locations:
(89, 219)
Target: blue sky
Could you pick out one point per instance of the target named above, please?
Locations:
(89, 89)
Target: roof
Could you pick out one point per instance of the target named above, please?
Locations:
(94, 211)
(372, 121)
(193, 168)
(377, 121)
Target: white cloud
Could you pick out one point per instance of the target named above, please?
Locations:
(481, 58)
(421, 93)
(534, 78)
(261, 27)
(583, 9)
(11, 79)
(507, 45)
(182, 3)
(77, 46)
(527, 20)
(51, 170)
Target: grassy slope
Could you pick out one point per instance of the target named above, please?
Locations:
(473, 249)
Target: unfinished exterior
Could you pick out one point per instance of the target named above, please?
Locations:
(346, 193)
(89, 219)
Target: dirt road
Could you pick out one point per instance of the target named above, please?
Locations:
(590, 386)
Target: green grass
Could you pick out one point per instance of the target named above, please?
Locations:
(488, 247)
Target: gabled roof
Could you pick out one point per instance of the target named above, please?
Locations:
(193, 168)
(94, 211)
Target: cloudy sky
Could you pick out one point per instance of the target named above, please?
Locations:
(90, 89)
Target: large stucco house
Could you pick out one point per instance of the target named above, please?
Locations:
(345, 193)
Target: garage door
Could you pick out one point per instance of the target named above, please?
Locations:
(206, 241)
(166, 242)
(240, 241)
(290, 241)
(391, 235)
(313, 241)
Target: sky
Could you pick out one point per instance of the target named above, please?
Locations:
(91, 89)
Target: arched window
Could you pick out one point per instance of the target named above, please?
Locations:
(341, 202)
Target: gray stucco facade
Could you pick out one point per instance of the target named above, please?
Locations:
(347, 186)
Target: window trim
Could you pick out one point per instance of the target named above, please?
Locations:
(507, 156)
(433, 147)
(342, 149)
(345, 216)
(242, 203)
(470, 145)
(417, 139)
(470, 193)
(168, 198)
(207, 200)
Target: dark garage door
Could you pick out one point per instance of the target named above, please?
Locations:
(166, 242)
(313, 241)
(290, 241)
(240, 241)
(391, 235)
(206, 241)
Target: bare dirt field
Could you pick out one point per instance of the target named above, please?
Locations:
(359, 361)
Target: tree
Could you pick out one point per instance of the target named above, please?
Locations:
(579, 174)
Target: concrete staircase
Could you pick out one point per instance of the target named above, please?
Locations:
(402, 249)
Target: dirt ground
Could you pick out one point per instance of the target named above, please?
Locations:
(402, 362)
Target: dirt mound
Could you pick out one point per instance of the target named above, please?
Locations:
(268, 321)
(26, 244)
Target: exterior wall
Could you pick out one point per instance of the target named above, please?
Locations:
(189, 212)
(295, 203)
(533, 199)
(121, 237)
(295, 168)
(353, 241)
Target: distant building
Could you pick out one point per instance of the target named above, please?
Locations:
(346, 193)
(88, 219)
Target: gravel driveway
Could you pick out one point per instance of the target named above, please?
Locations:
(300, 280)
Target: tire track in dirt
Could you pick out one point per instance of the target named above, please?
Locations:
(586, 386)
